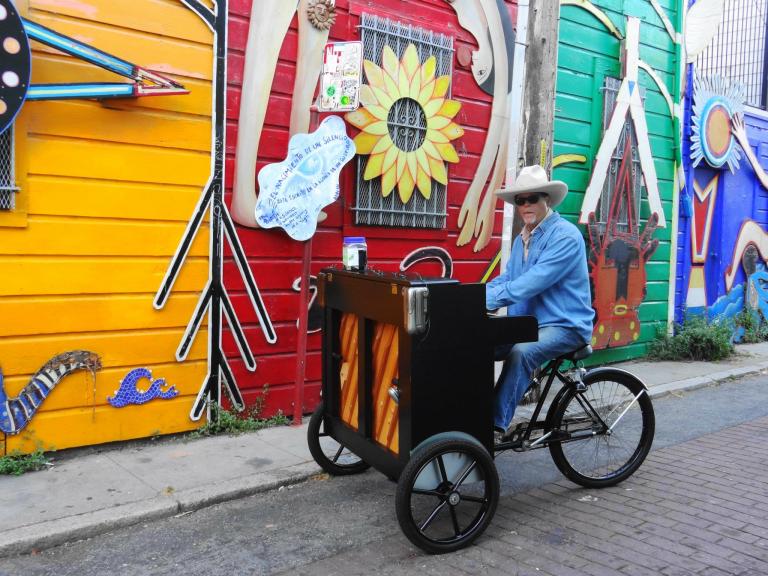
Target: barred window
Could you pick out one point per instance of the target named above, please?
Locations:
(738, 50)
(407, 128)
(7, 177)
(610, 91)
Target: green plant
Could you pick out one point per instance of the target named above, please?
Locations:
(696, 339)
(223, 421)
(16, 463)
(755, 329)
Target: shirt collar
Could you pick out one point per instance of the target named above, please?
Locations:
(543, 225)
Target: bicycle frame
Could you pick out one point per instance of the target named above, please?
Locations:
(521, 441)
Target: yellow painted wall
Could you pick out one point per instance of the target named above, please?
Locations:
(107, 190)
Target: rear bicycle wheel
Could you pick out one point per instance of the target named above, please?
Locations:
(607, 429)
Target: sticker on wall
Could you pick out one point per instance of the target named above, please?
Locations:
(294, 191)
(716, 101)
(130, 393)
(405, 87)
(214, 299)
(15, 413)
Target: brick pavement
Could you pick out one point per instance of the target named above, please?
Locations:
(697, 508)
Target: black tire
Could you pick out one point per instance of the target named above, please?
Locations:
(447, 493)
(332, 457)
(600, 457)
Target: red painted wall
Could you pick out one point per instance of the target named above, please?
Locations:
(275, 259)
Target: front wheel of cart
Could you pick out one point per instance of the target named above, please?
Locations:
(332, 457)
(447, 493)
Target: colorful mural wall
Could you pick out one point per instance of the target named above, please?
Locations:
(616, 145)
(722, 250)
(458, 96)
(106, 189)
(137, 289)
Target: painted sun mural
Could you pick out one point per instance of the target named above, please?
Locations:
(716, 101)
(410, 87)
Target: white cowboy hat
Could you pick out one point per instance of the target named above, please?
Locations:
(534, 179)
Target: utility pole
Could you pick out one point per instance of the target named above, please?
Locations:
(535, 119)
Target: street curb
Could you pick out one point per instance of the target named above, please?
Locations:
(703, 381)
(43, 535)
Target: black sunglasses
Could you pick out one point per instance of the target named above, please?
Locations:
(531, 199)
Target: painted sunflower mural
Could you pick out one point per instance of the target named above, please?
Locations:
(396, 91)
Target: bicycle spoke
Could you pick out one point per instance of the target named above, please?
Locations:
(338, 454)
(467, 471)
(475, 499)
(455, 521)
(432, 516)
(434, 493)
(441, 465)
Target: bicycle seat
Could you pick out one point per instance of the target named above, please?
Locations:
(578, 354)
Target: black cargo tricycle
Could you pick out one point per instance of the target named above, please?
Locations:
(407, 368)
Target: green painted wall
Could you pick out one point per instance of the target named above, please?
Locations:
(587, 53)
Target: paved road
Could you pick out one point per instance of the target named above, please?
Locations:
(699, 505)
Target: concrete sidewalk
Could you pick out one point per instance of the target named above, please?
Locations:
(91, 491)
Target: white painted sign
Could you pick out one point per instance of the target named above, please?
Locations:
(293, 192)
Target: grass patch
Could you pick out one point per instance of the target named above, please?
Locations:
(696, 339)
(16, 463)
(223, 421)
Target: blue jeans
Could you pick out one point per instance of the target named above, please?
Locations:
(520, 360)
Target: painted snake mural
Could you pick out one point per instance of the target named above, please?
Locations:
(15, 413)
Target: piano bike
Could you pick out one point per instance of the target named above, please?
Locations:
(408, 374)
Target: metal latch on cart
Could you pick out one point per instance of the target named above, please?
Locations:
(416, 309)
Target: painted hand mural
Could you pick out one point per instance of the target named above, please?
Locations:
(617, 260)
(488, 21)
(269, 24)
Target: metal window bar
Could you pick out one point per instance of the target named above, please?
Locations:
(8, 187)
(611, 90)
(407, 127)
(738, 50)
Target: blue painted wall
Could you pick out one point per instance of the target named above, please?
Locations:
(740, 197)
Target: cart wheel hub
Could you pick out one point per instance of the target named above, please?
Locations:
(454, 498)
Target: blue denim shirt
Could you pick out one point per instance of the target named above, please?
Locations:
(552, 284)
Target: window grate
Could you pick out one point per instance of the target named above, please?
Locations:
(8, 187)
(738, 50)
(407, 127)
(611, 92)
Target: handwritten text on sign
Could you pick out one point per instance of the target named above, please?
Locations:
(294, 191)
